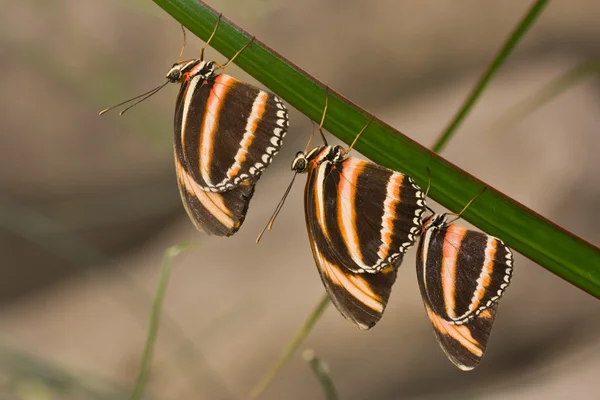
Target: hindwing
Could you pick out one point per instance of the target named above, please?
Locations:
(463, 344)
(219, 214)
(228, 131)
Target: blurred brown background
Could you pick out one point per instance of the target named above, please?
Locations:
(89, 204)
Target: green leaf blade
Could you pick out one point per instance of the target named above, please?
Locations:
(559, 251)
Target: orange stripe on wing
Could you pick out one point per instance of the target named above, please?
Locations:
(393, 189)
(355, 285)
(258, 110)
(351, 170)
(486, 274)
(454, 236)
(213, 202)
(460, 333)
(210, 124)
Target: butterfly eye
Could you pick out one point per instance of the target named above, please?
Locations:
(299, 163)
(174, 74)
(209, 68)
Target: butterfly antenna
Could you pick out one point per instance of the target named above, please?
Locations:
(210, 37)
(468, 204)
(277, 210)
(360, 133)
(143, 96)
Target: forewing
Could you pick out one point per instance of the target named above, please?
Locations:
(228, 130)
(219, 214)
(464, 271)
(371, 214)
(360, 298)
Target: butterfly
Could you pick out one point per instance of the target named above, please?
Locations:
(462, 274)
(361, 218)
(226, 133)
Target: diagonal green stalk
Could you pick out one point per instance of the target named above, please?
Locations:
(321, 371)
(155, 314)
(491, 70)
(291, 348)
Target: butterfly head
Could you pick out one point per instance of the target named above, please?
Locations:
(436, 221)
(300, 162)
(317, 155)
(191, 68)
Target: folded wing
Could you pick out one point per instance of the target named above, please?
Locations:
(219, 214)
(464, 271)
(368, 215)
(227, 131)
(359, 296)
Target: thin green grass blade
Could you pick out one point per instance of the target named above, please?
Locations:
(20, 368)
(507, 48)
(547, 244)
(52, 236)
(547, 93)
(321, 371)
(157, 307)
(290, 349)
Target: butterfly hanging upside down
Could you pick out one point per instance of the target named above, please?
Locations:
(361, 218)
(462, 274)
(226, 134)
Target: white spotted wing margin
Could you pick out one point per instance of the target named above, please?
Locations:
(462, 274)
(369, 215)
(361, 219)
(228, 131)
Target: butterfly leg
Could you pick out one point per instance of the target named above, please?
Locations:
(209, 38)
(236, 54)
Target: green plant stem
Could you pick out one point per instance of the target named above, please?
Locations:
(494, 66)
(290, 348)
(157, 307)
(321, 371)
